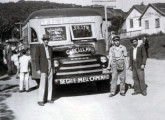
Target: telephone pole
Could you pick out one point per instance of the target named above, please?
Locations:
(106, 19)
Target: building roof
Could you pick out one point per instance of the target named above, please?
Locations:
(62, 12)
(159, 7)
(139, 8)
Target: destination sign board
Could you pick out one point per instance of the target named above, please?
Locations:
(56, 33)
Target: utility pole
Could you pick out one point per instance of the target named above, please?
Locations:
(106, 19)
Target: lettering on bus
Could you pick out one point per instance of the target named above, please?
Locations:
(56, 33)
(80, 31)
(80, 50)
(82, 79)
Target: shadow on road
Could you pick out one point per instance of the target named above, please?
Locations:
(7, 87)
(5, 78)
(79, 90)
(6, 92)
(33, 88)
(127, 86)
(83, 89)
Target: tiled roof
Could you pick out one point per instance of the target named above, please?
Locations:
(160, 7)
(140, 8)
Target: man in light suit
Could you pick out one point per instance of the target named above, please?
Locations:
(137, 64)
(44, 68)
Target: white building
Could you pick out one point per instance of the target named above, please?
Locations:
(132, 25)
(153, 18)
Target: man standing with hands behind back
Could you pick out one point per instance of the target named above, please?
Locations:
(137, 64)
(44, 68)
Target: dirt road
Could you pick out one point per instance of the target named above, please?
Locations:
(80, 104)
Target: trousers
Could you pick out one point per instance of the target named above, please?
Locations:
(9, 67)
(139, 79)
(46, 84)
(122, 76)
(24, 77)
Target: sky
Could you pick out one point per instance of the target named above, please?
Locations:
(125, 5)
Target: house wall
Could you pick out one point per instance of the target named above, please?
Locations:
(136, 29)
(135, 15)
(150, 15)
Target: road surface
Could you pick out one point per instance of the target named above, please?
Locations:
(84, 103)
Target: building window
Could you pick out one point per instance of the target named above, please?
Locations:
(157, 23)
(131, 23)
(146, 24)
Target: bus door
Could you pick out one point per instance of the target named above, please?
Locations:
(34, 43)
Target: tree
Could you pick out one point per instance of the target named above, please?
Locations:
(116, 23)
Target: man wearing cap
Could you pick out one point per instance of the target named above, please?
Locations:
(138, 59)
(44, 67)
(117, 63)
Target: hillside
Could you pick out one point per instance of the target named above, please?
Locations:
(11, 12)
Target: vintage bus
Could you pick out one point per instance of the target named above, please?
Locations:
(77, 42)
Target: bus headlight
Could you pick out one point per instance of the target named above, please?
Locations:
(56, 63)
(103, 59)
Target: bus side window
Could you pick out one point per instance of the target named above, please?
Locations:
(33, 36)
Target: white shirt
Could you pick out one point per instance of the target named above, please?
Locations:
(140, 42)
(24, 63)
(118, 52)
(14, 58)
(134, 52)
(47, 52)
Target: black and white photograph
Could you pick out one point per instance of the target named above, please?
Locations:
(82, 59)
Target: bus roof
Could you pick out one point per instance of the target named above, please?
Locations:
(62, 12)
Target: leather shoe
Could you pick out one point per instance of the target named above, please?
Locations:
(20, 91)
(144, 94)
(50, 101)
(111, 95)
(135, 93)
(41, 103)
(122, 94)
(27, 90)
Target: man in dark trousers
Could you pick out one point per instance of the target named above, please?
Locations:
(44, 68)
(8, 54)
(137, 64)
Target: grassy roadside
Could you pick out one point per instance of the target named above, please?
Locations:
(156, 46)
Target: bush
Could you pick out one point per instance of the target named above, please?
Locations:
(156, 45)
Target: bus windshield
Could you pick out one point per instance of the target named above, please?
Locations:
(80, 31)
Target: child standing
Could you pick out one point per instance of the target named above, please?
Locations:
(24, 62)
